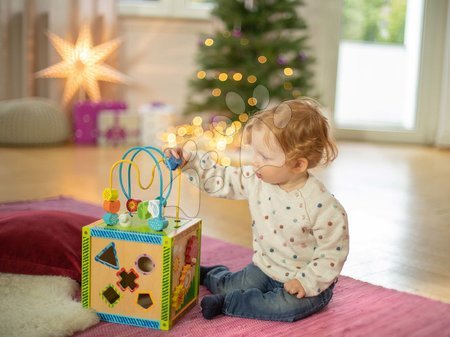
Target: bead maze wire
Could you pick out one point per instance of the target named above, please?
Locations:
(129, 157)
(135, 151)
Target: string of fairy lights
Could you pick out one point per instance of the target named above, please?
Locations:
(237, 76)
(216, 137)
(220, 136)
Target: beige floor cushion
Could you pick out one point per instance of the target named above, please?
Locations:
(32, 121)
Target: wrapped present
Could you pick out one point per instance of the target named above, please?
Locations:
(115, 128)
(156, 118)
(85, 119)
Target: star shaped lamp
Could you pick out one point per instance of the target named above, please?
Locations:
(82, 65)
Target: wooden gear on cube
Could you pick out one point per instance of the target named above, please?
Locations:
(138, 266)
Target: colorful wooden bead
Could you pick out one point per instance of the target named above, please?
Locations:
(124, 220)
(132, 204)
(173, 163)
(158, 224)
(164, 201)
(143, 211)
(111, 219)
(111, 206)
(110, 194)
(153, 208)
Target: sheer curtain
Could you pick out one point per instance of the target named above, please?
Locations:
(25, 48)
(443, 131)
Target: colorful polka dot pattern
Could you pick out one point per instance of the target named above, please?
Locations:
(303, 239)
(301, 234)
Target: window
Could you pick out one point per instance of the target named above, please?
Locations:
(190, 9)
(379, 64)
(406, 113)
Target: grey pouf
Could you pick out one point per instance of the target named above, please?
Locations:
(33, 121)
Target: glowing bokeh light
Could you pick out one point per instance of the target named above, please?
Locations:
(237, 76)
(262, 59)
(288, 71)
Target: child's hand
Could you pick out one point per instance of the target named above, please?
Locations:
(295, 287)
(178, 153)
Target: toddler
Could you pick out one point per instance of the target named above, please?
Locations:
(300, 231)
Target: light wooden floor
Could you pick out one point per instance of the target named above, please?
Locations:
(397, 199)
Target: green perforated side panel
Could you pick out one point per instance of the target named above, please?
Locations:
(197, 267)
(167, 271)
(85, 267)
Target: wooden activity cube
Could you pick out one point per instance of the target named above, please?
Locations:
(139, 276)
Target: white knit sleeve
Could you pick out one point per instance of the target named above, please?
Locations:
(330, 229)
(220, 181)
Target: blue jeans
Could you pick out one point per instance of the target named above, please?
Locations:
(250, 293)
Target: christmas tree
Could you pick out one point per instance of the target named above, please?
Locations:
(259, 54)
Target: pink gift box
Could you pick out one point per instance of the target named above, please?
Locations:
(85, 116)
(118, 129)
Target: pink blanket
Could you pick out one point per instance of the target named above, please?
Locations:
(357, 308)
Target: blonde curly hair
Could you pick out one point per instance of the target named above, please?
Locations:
(301, 129)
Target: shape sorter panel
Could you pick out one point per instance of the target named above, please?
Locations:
(141, 266)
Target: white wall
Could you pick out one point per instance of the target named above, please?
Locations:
(158, 54)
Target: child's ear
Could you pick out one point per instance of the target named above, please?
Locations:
(300, 165)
